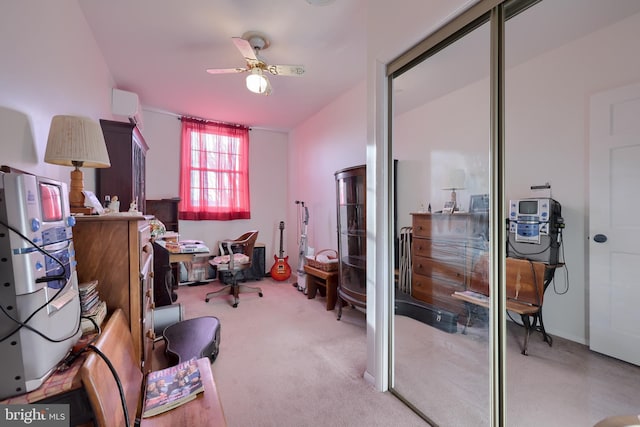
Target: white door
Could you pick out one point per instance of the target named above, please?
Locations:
(614, 224)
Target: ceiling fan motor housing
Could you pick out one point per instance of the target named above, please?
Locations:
(256, 40)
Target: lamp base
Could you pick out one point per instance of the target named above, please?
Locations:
(76, 197)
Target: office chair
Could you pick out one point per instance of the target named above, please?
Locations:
(235, 257)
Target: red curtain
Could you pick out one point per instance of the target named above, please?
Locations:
(214, 171)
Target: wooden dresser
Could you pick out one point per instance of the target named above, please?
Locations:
(117, 251)
(443, 249)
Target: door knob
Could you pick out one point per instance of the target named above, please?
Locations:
(600, 238)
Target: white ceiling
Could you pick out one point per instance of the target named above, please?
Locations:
(161, 49)
(541, 28)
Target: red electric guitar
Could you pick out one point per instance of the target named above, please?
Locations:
(281, 270)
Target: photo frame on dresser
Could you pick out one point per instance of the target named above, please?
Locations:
(479, 203)
(449, 207)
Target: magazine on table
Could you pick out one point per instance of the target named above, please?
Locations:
(171, 387)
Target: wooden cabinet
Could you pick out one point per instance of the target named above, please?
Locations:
(443, 249)
(165, 211)
(117, 251)
(126, 176)
(352, 236)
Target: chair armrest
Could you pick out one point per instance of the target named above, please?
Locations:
(231, 257)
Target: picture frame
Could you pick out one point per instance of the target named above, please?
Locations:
(449, 207)
(479, 203)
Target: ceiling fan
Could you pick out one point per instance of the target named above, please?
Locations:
(250, 45)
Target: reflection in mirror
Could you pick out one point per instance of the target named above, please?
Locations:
(441, 143)
(582, 60)
(581, 48)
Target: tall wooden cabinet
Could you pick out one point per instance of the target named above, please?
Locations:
(352, 236)
(118, 252)
(126, 176)
(443, 252)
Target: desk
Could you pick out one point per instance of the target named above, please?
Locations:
(327, 280)
(197, 264)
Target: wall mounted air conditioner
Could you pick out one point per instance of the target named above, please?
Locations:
(126, 104)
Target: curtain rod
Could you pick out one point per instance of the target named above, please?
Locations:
(198, 119)
(179, 117)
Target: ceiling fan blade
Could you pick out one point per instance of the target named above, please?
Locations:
(226, 70)
(245, 48)
(286, 70)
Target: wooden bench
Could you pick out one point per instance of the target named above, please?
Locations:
(326, 280)
(117, 345)
(525, 292)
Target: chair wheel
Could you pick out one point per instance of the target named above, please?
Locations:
(260, 293)
(206, 300)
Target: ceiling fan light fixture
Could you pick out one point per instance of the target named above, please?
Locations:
(257, 82)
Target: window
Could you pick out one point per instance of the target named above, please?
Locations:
(214, 171)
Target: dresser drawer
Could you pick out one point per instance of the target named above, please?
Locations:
(421, 225)
(436, 292)
(442, 250)
(440, 225)
(453, 272)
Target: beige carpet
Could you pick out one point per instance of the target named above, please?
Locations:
(565, 385)
(286, 361)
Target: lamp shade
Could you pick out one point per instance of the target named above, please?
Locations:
(455, 180)
(257, 82)
(76, 141)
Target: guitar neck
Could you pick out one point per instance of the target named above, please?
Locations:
(281, 232)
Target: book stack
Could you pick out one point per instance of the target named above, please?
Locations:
(172, 246)
(91, 306)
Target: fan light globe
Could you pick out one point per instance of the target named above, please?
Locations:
(257, 82)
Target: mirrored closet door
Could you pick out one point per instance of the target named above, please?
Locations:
(563, 60)
(441, 140)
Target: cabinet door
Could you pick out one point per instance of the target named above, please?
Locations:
(126, 176)
(351, 192)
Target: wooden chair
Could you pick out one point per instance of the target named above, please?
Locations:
(230, 267)
(116, 344)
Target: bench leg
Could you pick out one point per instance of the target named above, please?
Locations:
(467, 305)
(546, 337)
(311, 287)
(527, 327)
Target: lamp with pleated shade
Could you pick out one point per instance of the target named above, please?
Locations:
(76, 141)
